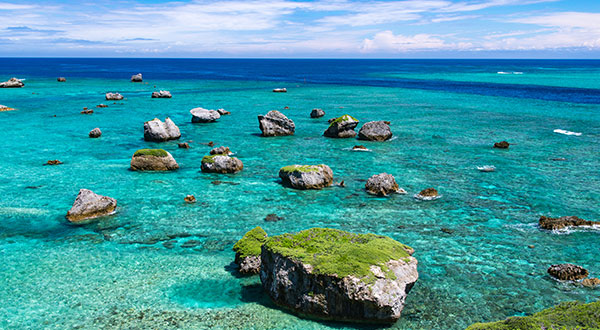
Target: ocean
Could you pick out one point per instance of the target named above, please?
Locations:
(489, 263)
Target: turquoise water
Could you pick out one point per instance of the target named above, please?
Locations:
(118, 273)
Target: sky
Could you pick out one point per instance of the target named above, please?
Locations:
(301, 29)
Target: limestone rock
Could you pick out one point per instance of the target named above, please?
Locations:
(568, 272)
(183, 145)
(113, 97)
(201, 115)
(280, 90)
(89, 205)
(306, 176)
(153, 160)
(375, 131)
(317, 113)
(5, 108)
(591, 282)
(190, 199)
(342, 127)
(221, 151)
(247, 251)
(428, 194)
(161, 95)
(223, 112)
(221, 163)
(95, 133)
(501, 145)
(61, 79)
(12, 83)
(564, 222)
(136, 78)
(382, 185)
(274, 123)
(157, 131)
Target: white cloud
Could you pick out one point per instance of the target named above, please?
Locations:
(387, 41)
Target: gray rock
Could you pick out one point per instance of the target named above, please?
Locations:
(61, 79)
(89, 205)
(221, 151)
(201, 115)
(95, 133)
(342, 127)
(382, 185)
(12, 83)
(568, 272)
(161, 95)
(317, 113)
(375, 131)
(274, 123)
(220, 163)
(148, 160)
(157, 131)
(565, 222)
(280, 90)
(113, 97)
(223, 112)
(249, 264)
(306, 176)
(136, 77)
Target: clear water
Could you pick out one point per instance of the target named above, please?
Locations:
(117, 272)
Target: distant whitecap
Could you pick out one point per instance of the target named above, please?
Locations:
(565, 132)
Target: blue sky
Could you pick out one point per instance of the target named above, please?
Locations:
(302, 28)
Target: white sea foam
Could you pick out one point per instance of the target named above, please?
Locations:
(363, 150)
(565, 132)
(21, 211)
(486, 168)
(514, 72)
(426, 198)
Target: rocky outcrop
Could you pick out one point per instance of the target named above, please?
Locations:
(306, 176)
(161, 95)
(501, 145)
(102, 106)
(61, 79)
(95, 133)
(221, 151)
(591, 282)
(342, 127)
(221, 163)
(136, 78)
(317, 113)
(53, 162)
(113, 97)
(274, 123)
(153, 160)
(247, 251)
(223, 112)
(382, 185)
(183, 145)
(375, 131)
(5, 108)
(564, 222)
(89, 205)
(428, 194)
(280, 90)
(157, 131)
(201, 115)
(568, 272)
(190, 199)
(12, 83)
(359, 148)
(336, 275)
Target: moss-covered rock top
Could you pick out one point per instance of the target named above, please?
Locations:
(301, 168)
(332, 251)
(151, 152)
(343, 118)
(209, 159)
(251, 243)
(569, 315)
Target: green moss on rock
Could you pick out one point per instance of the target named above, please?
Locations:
(301, 168)
(251, 243)
(151, 152)
(569, 315)
(332, 251)
(210, 158)
(343, 118)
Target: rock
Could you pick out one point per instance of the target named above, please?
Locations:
(95, 133)
(221, 151)
(190, 199)
(247, 251)
(359, 148)
(161, 95)
(428, 194)
(501, 145)
(61, 79)
(201, 115)
(375, 131)
(53, 162)
(223, 112)
(447, 231)
(564, 222)
(342, 127)
(568, 272)
(591, 282)
(136, 78)
(331, 120)
(102, 106)
(12, 83)
(183, 145)
(157, 131)
(382, 185)
(87, 111)
(306, 176)
(221, 163)
(280, 90)
(153, 160)
(89, 205)
(486, 168)
(274, 123)
(337, 275)
(317, 113)
(273, 218)
(5, 108)
(113, 97)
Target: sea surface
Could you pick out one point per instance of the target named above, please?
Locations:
(489, 263)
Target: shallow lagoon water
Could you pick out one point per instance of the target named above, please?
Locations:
(118, 273)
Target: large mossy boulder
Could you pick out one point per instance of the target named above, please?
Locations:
(221, 163)
(306, 176)
(247, 251)
(89, 205)
(342, 127)
(337, 275)
(274, 123)
(565, 222)
(153, 160)
(375, 131)
(157, 131)
(569, 315)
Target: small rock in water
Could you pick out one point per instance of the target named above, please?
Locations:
(501, 145)
(113, 97)
(190, 199)
(568, 272)
(221, 151)
(564, 222)
(382, 185)
(342, 127)
(89, 205)
(5, 108)
(342, 184)
(157, 131)
(183, 145)
(447, 231)
(87, 111)
(161, 95)
(280, 90)
(61, 79)
(53, 162)
(560, 159)
(359, 148)
(591, 282)
(201, 115)
(12, 83)
(102, 106)
(486, 168)
(273, 218)
(375, 131)
(136, 78)
(317, 113)
(428, 194)
(286, 108)
(95, 133)
(531, 246)
(274, 123)
(223, 112)
(306, 176)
